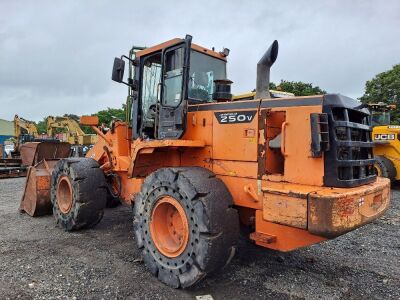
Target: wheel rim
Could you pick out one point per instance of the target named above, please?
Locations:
(169, 227)
(377, 170)
(64, 194)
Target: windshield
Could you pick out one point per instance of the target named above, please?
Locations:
(380, 118)
(204, 69)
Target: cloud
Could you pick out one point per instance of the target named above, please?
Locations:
(56, 56)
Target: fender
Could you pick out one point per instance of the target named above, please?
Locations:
(141, 146)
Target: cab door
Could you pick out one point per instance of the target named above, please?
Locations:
(172, 108)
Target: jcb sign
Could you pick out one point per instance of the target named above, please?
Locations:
(384, 137)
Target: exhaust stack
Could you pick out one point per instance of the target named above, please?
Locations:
(263, 71)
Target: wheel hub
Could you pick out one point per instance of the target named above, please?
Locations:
(64, 194)
(169, 227)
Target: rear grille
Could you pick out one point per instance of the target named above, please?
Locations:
(349, 161)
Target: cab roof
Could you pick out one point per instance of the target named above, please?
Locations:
(175, 41)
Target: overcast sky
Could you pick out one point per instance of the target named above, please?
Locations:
(56, 56)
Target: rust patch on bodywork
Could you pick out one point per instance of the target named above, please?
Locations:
(36, 198)
(331, 215)
(34, 152)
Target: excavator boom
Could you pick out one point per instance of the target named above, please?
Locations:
(24, 130)
(75, 135)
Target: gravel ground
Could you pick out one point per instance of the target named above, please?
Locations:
(40, 261)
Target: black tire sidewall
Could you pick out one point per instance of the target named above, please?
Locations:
(180, 262)
(88, 193)
(386, 167)
(65, 218)
(213, 224)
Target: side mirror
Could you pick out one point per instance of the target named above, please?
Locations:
(118, 70)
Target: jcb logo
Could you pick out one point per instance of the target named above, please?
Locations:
(384, 137)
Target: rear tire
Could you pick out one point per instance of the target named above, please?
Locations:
(212, 225)
(385, 168)
(78, 193)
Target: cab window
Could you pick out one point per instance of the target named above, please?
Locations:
(150, 87)
(380, 118)
(204, 69)
(173, 77)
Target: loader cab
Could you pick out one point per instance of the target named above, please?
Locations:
(380, 113)
(164, 80)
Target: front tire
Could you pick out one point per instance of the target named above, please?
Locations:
(184, 224)
(384, 167)
(78, 193)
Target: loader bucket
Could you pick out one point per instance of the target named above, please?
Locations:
(41, 158)
(34, 152)
(36, 198)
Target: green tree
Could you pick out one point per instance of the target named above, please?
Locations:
(109, 114)
(106, 116)
(272, 86)
(42, 126)
(385, 87)
(299, 88)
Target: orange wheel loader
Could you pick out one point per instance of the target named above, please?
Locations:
(194, 164)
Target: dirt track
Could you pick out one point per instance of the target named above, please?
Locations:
(40, 261)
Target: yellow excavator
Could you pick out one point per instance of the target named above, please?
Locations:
(74, 134)
(29, 149)
(386, 138)
(24, 131)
